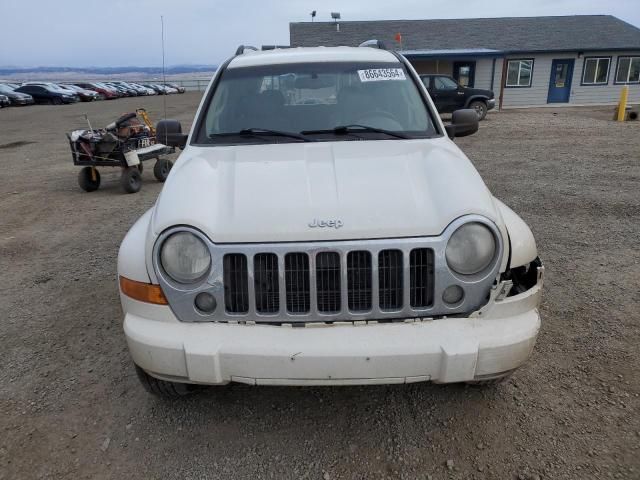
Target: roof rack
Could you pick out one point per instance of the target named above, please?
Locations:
(374, 44)
(240, 50)
(274, 47)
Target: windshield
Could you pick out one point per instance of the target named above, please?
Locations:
(315, 99)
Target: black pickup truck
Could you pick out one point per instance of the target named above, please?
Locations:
(449, 95)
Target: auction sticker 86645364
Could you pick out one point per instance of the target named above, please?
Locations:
(380, 74)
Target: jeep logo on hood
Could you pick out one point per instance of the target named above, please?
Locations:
(317, 223)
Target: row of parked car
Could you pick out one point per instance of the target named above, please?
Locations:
(61, 93)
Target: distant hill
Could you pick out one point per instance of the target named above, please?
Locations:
(173, 70)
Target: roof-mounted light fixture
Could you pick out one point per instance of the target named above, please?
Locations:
(336, 17)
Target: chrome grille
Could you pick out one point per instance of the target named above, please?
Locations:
(296, 270)
(359, 280)
(328, 282)
(236, 283)
(265, 280)
(421, 277)
(390, 272)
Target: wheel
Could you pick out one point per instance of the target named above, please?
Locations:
(89, 179)
(480, 107)
(57, 101)
(131, 180)
(163, 388)
(162, 168)
(492, 381)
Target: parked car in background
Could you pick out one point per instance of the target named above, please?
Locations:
(449, 95)
(130, 89)
(157, 88)
(4, 101)
(147, 90)
(12, 85)
(16, 98)
(179, 88)
(84, 94)
(47, 94)
(161, 89)
(106, 93)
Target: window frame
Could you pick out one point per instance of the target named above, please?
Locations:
(506, 75)
(584, 70)
(615, 78)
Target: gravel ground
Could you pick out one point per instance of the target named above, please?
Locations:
(71, 406)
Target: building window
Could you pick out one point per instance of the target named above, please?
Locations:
(519, 73)
(628, 70)
(596, 70)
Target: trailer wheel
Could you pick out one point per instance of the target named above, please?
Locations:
(89, 179)
(131, 180)
(162, 168)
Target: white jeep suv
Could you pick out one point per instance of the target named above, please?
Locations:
(322, 228)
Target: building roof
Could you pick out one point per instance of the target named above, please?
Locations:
(509, 34)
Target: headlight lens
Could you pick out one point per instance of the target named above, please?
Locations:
(184, 257)
(471, 249)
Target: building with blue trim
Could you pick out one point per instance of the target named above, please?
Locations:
(527, 61)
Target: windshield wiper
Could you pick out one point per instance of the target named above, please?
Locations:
(354, 128)
(259, 132)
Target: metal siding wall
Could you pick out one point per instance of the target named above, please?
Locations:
(536, 95)
(483, 74)
(601, 94)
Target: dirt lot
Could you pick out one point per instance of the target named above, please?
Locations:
(71, 406)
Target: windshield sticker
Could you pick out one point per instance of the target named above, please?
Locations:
(381, 74)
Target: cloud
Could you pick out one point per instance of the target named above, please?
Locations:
(127, 32)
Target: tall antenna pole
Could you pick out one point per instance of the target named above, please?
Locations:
(164, 79)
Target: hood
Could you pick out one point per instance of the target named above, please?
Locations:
(479, 91)
(322, 191)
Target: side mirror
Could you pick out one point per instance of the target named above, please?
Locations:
(463, 122)
(169, 132)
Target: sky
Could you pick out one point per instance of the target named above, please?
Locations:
(127, 32)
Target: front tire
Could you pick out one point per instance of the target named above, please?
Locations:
(164, 388)
(480, 107)
(131, 180)
(491, 382)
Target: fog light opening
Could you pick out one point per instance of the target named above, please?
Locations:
(453, 294)
(205, 303)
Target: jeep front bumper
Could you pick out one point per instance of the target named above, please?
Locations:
(494, 340)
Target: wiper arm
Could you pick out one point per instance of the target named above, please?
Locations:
(354, 128)
(259, 132)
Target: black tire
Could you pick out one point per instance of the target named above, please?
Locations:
(162, 168)
(163, 388)
(57, 101)
(491, 381)
(480, 107)
(86, 179)
(131, 180)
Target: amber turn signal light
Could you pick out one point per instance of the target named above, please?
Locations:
(143, 292)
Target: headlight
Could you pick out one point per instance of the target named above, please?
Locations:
(184, 257)
(471, 249)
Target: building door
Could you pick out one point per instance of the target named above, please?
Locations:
(464, 73)
(560, 81)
